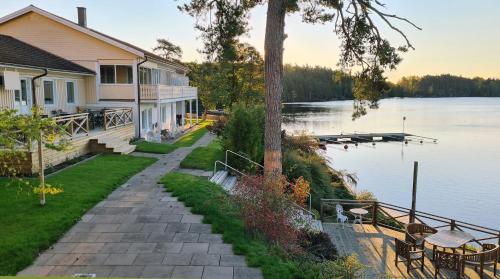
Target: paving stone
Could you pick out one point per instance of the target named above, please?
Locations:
(36, 271)
(65, 270)
(42, 259)
(118, 210)
(148, 218)
(103, 219)
(205, 259)
(127, 271)
(186, 237)
(177, 259)
(247, 273)
(81, 237)
(200, 228)
(110, 237)
(91, 259)
(168, 247)
(120, 259)
(130, 227)
(222, 249)
(190, 218)
(105, 228)
(232, 260)
(61, 248)
(87, 217)
(115, 248)
(125, 218)
(191, 272)
(154, 227)
(177, 227)
(142, 210)
(157, 272)
(217, 272)
(82, 227)
(88, 248)
(149, 259)
(161, 237)
(62, 259)
(192, 248)
(135, 237)
(99, 271)
(136, 248)
(210, 238)
(171, 218)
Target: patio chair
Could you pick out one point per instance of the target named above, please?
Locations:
(416, 233)
(488, 256)
(341, 217)
(450, 261)
(408, 254)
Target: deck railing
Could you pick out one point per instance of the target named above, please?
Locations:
(74, 124)
(114, 118)
(396, 217)
(160, 92)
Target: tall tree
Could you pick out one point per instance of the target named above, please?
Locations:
(362, 47)
(168, 50)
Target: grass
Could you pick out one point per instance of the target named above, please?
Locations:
(26, 228)
(203, 157)
(164, 148)
(210, 200)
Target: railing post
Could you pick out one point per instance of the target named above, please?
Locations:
(87, 125)
(414, 192)
(452, 225)
(374, 213)
(105, 120)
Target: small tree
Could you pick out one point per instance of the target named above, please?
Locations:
(18, 135)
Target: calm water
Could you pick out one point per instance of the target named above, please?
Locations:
(459, 177)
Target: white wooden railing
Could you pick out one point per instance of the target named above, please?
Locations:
(74, 124)
(161, 92)
(114, 118)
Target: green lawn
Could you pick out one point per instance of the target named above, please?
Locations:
(26, 228)
(210, 200)
(164, 148)
(204, 157)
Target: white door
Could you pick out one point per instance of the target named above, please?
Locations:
(22, 98)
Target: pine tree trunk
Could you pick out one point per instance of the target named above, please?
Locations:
(273, 69)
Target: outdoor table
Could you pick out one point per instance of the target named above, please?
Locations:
(452, 239)
(358, 214)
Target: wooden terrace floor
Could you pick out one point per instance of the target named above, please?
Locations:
(374, 247)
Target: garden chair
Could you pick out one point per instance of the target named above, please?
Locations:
(488, 256)
(408, 254)
(450, 261)
(341, 217)
(416, 233)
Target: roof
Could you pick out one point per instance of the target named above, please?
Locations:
(94, 33)
(17, 53)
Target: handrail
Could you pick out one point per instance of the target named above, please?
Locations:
(246, 158)
(226, 165)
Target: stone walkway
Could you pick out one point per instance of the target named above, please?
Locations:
(140, 230)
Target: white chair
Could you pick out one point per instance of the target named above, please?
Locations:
(341, 217)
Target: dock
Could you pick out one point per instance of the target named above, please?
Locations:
(356, 138)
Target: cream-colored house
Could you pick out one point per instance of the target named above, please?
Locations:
(155, 89)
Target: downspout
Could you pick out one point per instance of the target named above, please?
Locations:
(33, 93)
(139, 93)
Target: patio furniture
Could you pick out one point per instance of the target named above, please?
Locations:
(452, 239)
(416, 233)
(358, 214)
(488, 256)
(450, 261)
(341, 217)
(408, 254)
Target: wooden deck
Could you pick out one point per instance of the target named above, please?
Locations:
(374, 247)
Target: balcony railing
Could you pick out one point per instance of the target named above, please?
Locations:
(114, 118)
(74, 124)
(161, 92)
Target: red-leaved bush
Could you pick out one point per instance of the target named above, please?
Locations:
(268, 209)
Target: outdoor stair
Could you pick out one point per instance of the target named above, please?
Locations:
(225, 180)
(111, 145)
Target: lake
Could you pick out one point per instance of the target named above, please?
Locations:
(459, 177)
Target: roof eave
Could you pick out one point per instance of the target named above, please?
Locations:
(30, 67)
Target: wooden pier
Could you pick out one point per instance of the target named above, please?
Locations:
(371, 137)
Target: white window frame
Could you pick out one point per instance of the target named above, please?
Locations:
(75, 92)
(54, 91)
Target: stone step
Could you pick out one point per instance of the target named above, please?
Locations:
(219, 177)
(229, 183)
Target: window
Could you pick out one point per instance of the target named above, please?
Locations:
(1, 81)
(48, 92)
(107, 73)
(163, 114)
(70, 92)
(146, 76)
(124, 74)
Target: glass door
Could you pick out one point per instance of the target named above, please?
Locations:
(22, 97)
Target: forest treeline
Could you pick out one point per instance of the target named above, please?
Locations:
(309, 84)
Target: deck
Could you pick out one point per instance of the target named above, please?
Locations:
(375, 249)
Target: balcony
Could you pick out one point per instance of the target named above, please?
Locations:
(164, 92)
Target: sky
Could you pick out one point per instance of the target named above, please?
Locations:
(459, 37)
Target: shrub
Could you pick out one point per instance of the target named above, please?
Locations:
(244, 133)
(267, 210)
(318, 244)
(346, 268)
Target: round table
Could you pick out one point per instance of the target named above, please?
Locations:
(358, 214)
